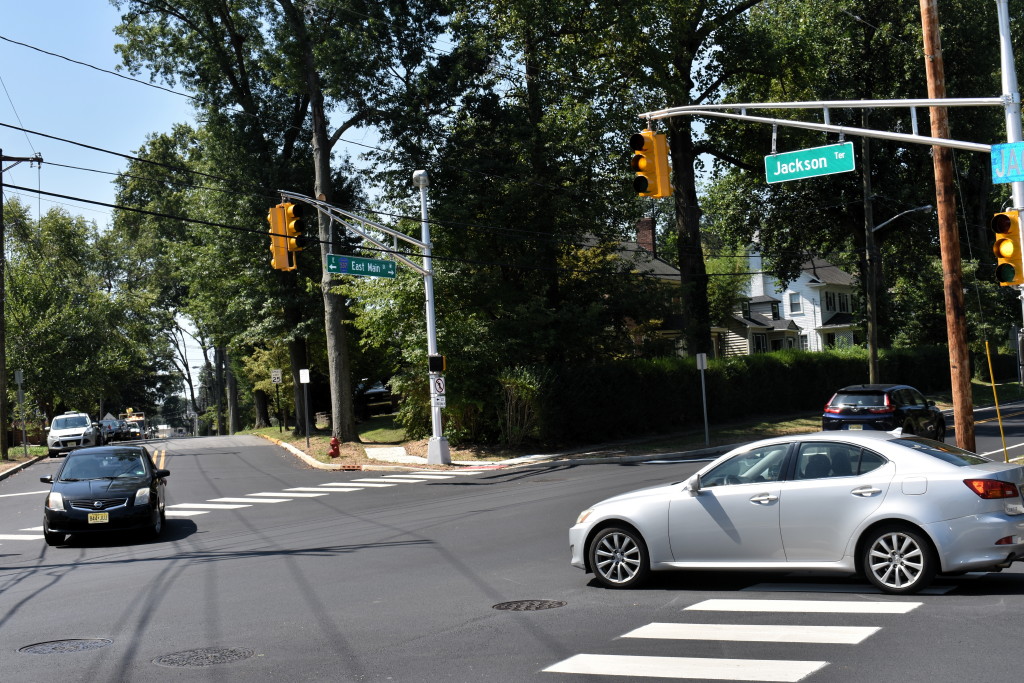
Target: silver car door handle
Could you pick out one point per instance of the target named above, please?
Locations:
(866, 491)
(764, 498)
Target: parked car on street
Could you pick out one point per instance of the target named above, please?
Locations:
(112, 430)
(884, 407)
(108, 488)
(71, 430)
(897, 509)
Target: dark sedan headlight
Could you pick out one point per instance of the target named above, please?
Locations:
(54, 501)
(142, 496)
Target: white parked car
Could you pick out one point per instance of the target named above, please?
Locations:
(72, 430)
(896, 509)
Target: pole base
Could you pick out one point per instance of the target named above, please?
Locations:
(437, 451)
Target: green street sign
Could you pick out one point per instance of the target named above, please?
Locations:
(808, 163)
(353, 265)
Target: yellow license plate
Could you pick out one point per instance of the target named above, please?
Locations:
(99, 517)
(855, 427)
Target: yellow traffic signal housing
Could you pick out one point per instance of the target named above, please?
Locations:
(280, 259)
(1007, 248)
(293, 225)
(650, 161)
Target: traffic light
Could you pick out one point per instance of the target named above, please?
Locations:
(280, 259)
(650, 161)
(293, 226)
(1009, 268)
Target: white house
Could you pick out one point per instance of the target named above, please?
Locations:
(813, 312)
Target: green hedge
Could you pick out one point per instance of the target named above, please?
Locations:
(637, 396)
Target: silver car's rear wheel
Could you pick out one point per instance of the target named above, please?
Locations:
(898, 560)
(619, 558)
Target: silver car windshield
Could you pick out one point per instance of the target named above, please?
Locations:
(942, 451)
(69, 422)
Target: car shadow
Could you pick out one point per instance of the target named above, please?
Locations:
(174, 530)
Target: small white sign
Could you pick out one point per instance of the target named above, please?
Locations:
(275, 376)
(439, 386)
(437, 401)
(702, 361)
(304, 376)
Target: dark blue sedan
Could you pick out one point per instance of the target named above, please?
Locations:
(884, 407)
(108, 488)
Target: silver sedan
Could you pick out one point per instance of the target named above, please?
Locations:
(896, 509)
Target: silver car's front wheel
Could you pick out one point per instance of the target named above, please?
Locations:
(898, 560)
(619, 558)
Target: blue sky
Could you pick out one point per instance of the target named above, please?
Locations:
(56, 97)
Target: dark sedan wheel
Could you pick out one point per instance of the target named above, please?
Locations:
(898, 560)
(619, 558)
(158, 526)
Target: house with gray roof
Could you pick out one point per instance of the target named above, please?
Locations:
(813, 312)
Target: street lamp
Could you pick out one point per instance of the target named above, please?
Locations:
(873, 261)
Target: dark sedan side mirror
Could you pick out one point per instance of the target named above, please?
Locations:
(48, 479)
(161, 473)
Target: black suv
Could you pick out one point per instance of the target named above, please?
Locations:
(884, 407)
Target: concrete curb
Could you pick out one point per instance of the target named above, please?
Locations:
(20, 466)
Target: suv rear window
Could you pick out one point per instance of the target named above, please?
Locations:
(872, 400)
(944, 452)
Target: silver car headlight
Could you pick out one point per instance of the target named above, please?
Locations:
(583, 515)
(142, 496)
(54, 501)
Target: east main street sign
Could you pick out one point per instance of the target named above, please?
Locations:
(353, 265)
(808, 163)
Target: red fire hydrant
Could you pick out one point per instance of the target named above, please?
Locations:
(334, 447)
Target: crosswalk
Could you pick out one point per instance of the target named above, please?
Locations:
(184, 510)
(299, 492)
(731, 669)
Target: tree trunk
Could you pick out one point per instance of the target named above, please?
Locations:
(262, 405)
(233, 416)
(297, 359)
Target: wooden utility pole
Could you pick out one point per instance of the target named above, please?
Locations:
(949, 235)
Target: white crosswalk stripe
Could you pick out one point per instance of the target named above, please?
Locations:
(206, 506)
(688, 667)
(249, 500)
(185, 513)
(859, 588)
(726, 669)
(20, 537)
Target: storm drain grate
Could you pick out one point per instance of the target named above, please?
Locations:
(205, 656)
(528, 605)
(53, 647)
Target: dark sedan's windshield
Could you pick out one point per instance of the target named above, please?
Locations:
(106, 465)
(951, 454)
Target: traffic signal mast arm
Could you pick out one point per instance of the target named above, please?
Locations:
(350, 221)
(724, 111)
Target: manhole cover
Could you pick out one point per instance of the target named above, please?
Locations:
(52, 647)
(205, 656)
(528, 605)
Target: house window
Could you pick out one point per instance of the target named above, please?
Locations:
(830, 340)
(794, 304)
(775, 310)
(830, 301)
(803, 342)
(760, 343)
(844, 303)
(745, 309)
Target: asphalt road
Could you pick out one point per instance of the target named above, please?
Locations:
(372, 576)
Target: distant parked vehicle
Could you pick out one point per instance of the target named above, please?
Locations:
(113, 430)
(71, 430)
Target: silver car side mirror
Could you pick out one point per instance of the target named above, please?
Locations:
(693, 485)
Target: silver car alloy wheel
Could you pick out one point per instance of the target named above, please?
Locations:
(617, 557)
(896, 560)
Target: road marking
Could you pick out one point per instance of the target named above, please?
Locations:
(370, 483)
(809, 606)
(419, 476)
(249, 500)
(751, 633)
(282, 494)
(337, 487)
(320, 490)
(451, 473)
(206, 506)
(33, 528)
(28, 493)
(19, 537)
(835, 588)
(688, 667)
(185, 513)
(405, 480)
